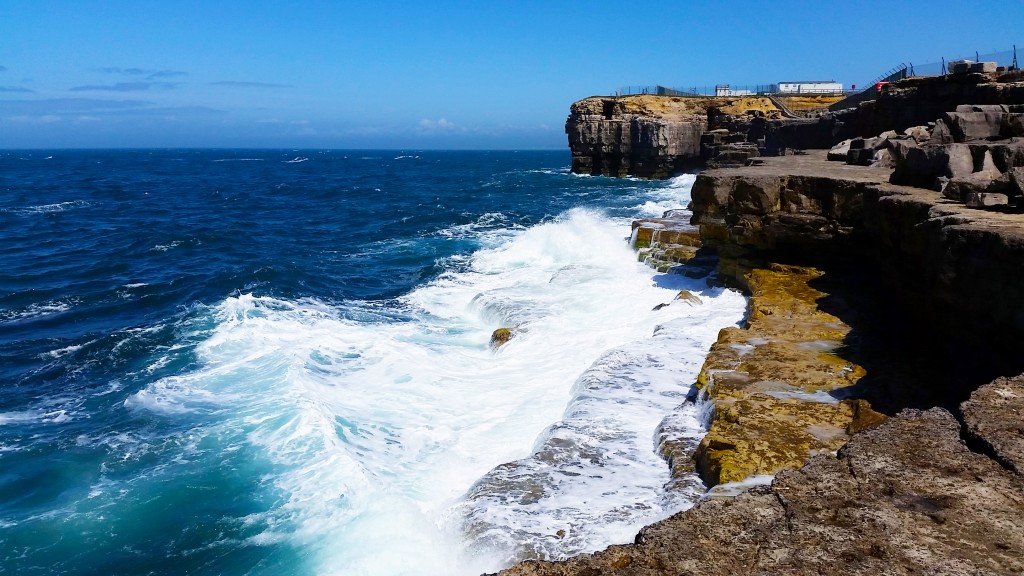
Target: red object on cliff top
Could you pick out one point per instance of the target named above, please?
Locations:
(879, 85)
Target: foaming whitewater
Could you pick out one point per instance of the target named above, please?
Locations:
(379, 420)
(233, 362)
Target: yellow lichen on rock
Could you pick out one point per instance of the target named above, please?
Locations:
(673, 107)
(810, 101)
(778, 385)
(500, 336)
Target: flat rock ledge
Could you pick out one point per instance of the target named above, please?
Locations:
(781, 392)
(906, 497)
(860, 290)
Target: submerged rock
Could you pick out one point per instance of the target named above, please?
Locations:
(500, 337)
(689, 297)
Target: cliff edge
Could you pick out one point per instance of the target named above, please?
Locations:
(645, 135)
(886, 320)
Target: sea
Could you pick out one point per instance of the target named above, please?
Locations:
(279, 361)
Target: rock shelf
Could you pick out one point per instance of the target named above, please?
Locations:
(880, 317)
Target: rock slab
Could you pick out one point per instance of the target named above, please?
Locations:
(907, 497)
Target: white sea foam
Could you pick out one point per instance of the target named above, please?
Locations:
(376, 429)
(34, 416)
(732, 489)
(47, 208)
(166, 247)
(34, 311)
(674, 195)
(64, 351)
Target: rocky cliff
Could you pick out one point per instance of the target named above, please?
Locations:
(885, 320)
(907, 497)
(867, 299)
(644, 135)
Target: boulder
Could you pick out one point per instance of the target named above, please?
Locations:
(500, 337)
(985, 200)
(861, 143)
(1015, 179)
(839, 152)
(984, 164)
(920, 134)
(974, 186)
(688, 297)
(860, 156)
(881, 159)
(1008, 153)
(959, 66)
(994, 416)
(983, 68)
(965, 126)
(997, 108)
(881, 138)
(1013, 126)
(955, 159)
(941, 134)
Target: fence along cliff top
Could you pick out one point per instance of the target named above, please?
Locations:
(1004, 58)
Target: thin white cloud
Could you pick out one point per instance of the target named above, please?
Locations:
(441, 125)
(124, 87)
(69, 106)
(149, 73)
(244, 84)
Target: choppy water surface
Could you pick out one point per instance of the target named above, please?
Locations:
(276, 362)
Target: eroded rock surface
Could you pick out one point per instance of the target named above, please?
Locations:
(779, 389)
(907, 497)
(995, 417)
(646, 135)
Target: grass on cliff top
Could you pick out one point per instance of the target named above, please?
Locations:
(809, 102)
(680, 107)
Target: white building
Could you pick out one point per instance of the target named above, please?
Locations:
(810, 87)
(724, 90)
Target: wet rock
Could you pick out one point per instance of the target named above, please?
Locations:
(906, 497)
(500, 337)
(674, 230)
(776, 384)
(669, 242)
(689, 297)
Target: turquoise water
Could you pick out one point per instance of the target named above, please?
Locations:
(277, 362)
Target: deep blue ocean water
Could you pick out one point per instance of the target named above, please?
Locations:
(277, 362)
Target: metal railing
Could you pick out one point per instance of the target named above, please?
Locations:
(1005, 58)
(719, 90)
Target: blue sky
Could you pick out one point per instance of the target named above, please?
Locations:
(441, 74)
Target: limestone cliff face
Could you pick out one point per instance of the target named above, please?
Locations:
(619, 137)
(644, 135)
(946, 265)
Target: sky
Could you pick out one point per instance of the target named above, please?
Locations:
(445, 74)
